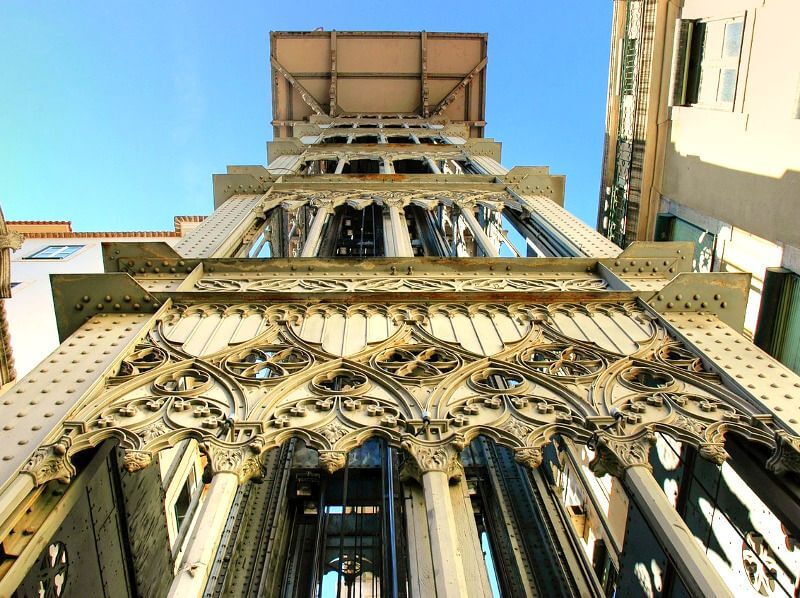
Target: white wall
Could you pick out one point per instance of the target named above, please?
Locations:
(31, 316)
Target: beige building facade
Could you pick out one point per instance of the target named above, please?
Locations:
(702, 142)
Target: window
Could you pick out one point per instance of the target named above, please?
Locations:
(778, 330)
(184, 500)
(362, 166)
(400, 139)
(709, 54)
(628, 66)
(671, 228)
(366, 139)
(411, 166)
(54, 252)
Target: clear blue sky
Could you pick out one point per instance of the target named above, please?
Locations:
(115, 114)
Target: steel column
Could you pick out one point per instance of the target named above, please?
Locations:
(696, 571)
(448, 570)
(190, 580)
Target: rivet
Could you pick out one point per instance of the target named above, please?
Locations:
(86, 299)
(136, 306)
(724, 304)
(127, 298)
(79, 306)
(99, 306)
(717, 297)
(165, 263)
(157, 270)
(678, 297)
(117, 306)
(149, 264)
(660, 297)
(671, 270)
(670, 304)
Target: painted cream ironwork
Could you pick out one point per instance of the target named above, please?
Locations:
(243, 378)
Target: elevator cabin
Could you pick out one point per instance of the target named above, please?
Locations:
(362, 532)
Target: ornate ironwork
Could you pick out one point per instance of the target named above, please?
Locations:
(412, 385)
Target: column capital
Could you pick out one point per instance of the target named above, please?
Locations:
(51, 462)
(615, 454)
(787, 454)
(332, 461)
(323, 203)
(136, 460)
(395, 200)
(11, 240)
(529, 456)
(243, 460)
(426, 458)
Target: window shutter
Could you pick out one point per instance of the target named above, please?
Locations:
(682, 63)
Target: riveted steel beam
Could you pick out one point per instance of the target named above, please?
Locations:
(448, 99)
(304, 93)
(723, 294)
(334, 74)
(79, 297)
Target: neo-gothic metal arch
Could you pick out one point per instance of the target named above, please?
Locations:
(546, 383)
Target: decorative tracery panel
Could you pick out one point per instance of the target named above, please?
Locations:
(243, 378)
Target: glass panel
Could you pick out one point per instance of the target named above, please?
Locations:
(733, 39)
(703, 240)
(727, 85)
(55, 252)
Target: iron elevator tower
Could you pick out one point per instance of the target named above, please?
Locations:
(382, 367)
